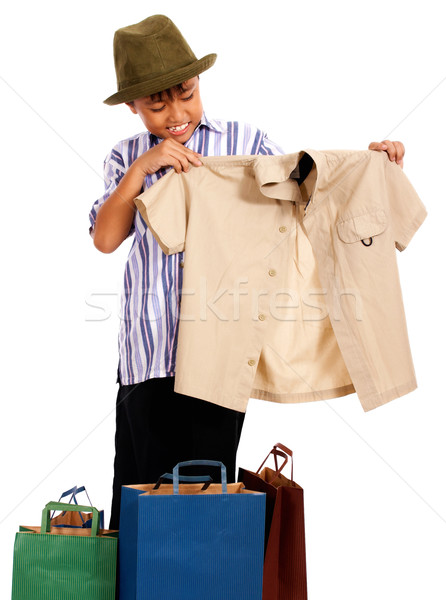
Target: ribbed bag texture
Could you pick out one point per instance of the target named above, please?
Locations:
(284, 570)
(194, 545)
(66, 564)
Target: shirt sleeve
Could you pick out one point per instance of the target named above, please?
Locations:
(114, 170)
(164, 209)
(407, 212)
(269, 147)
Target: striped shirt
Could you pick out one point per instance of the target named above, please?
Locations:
(152, 280)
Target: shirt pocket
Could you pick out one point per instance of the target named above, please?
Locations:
(362, 228)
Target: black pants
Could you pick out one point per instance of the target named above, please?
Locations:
(157, 428)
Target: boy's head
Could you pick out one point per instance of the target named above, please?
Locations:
(152, 56)
(173, 113)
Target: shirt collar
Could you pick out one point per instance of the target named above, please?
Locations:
(210, 124)
(275, 175)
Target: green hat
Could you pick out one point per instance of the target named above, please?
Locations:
(152, 56)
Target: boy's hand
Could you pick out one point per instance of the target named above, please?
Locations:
(395, 150)
(169, 153)
(115, 217)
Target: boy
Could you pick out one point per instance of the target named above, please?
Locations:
(157, 75)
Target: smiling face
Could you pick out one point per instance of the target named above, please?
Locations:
(174, 115)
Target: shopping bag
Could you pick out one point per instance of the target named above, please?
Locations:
(128, 530)
(75, 518)
(57, 563)
(183, 542)
(284, 571)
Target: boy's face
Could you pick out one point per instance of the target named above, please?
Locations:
(174, 118)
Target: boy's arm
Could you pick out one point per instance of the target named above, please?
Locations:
(115, 217)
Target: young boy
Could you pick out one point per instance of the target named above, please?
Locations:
(156, 428)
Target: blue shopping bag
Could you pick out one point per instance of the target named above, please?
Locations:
(128, 530)
(183, 542)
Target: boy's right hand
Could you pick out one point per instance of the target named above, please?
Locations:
(115, 217)
(169, 153)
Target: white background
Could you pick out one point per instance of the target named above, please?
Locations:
(314, 74)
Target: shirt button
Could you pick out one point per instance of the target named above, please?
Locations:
(272, 272)
(182, 264)
(262, 317)
(251, 362)
(283, 229)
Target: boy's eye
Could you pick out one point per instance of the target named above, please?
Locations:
(188, 97)
(157, 109)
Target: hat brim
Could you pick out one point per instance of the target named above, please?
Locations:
(163, 82)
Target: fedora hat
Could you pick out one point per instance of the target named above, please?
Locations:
(152, 56)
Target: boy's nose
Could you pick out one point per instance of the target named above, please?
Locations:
(177, 113)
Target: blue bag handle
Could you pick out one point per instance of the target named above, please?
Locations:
(206, 479)
(199, 463)
(46, 521)
(72, 492)
(86, 524)
(78, 491)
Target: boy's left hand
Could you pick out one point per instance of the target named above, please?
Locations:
(395, 150)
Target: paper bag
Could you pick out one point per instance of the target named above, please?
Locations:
(285, 572)
(183, 542)
(54, 563)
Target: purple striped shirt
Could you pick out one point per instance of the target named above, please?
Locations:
(152, 281)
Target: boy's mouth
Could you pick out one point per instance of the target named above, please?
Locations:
(178, 129)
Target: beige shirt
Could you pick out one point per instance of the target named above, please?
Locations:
(291, 292)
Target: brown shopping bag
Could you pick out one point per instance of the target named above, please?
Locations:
(284, 571)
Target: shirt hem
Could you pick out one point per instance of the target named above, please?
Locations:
(378, 399)
(232, 403)
(298, 397)
(135, 380)
(240, 404)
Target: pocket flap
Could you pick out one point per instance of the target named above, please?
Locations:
(362, 227)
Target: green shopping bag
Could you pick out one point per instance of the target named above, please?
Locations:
(58, 563)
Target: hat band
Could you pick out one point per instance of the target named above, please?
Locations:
(154, 85)
(149, 77)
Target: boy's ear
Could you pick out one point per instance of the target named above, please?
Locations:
(132, 107)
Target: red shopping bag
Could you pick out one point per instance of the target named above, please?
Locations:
(285, 571)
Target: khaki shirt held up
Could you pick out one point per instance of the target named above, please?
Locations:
(291, 290)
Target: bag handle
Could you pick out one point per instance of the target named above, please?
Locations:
(72, 493)
(200, 463)
(205, 479)
(274, 452)
(46, 522)
(282, 451)
(79, 490)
